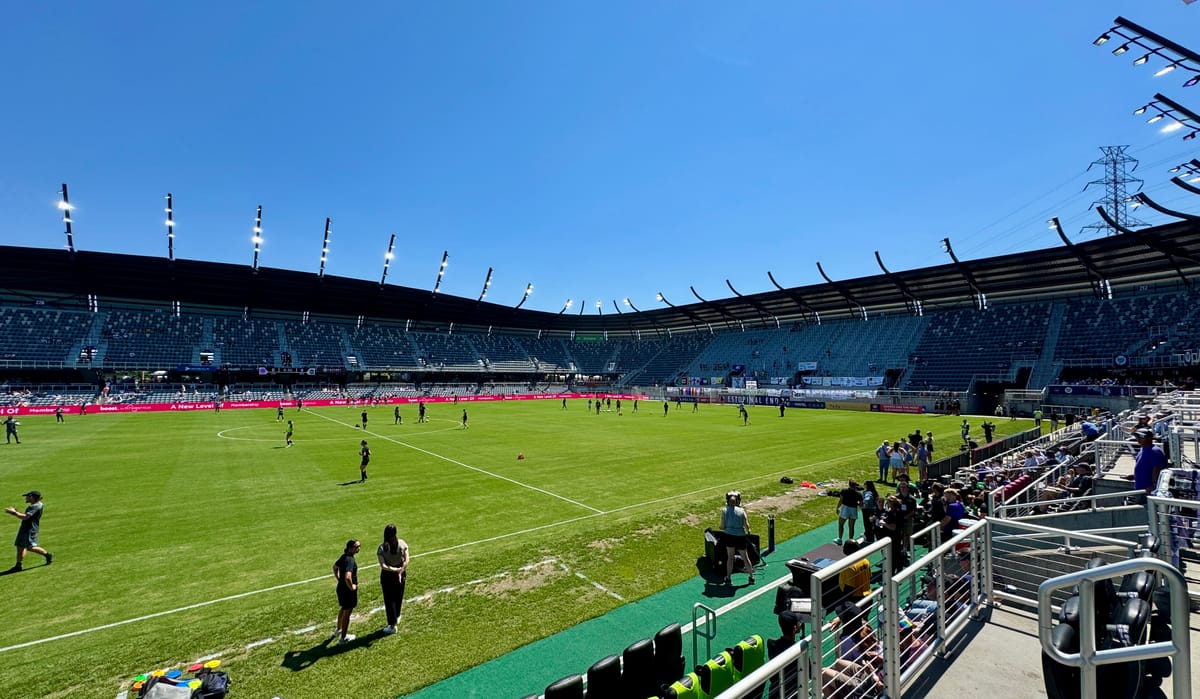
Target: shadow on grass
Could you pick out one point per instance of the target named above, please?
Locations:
(297, 660)
(355, 482)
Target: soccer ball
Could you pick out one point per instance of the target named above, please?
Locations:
(521, 456)
(357, 425)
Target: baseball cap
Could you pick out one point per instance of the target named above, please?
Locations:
(35, 493)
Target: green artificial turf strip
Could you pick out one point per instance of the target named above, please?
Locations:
(157, 512)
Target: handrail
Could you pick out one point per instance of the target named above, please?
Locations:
(709, 633)
(1088, 657)
(1092, 499)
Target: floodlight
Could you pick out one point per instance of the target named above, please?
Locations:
(441, 271)
(1141, 109)
(528, 291)
(387, 259)
(486, 283)
(566, 305)
(1173, 126)
(65, 207)
(1101, 39)
(1155, 118)
(324, 249)
(170, 227)
(1142, 60)
(1166, 69)
(1192, 81)
(1119, 50)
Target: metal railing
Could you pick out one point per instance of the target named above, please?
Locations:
(1022, 555)
(1176, 524)
(890, 661)
(1089, 658)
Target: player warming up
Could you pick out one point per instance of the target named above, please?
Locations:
(365, 453)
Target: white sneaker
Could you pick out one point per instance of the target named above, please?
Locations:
(347, 638)
(838, 541)
(389, 629)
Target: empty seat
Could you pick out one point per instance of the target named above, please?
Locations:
(716, 675)
(637, 670)
(569, 687)
(604, 678)
(687, 687)
(668, 655)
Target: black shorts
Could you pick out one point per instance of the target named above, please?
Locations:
(735, 541)
(347, 598)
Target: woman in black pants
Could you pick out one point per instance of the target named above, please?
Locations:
(393, 567)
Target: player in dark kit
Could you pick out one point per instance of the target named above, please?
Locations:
(288, 437)
(464, 420)
(364, 419)
(58, 414)
(365, 453)
(396, 415)
(279, 413)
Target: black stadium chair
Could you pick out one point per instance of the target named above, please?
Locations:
(604, 679)
(569, 687)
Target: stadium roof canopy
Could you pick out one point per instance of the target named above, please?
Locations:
(1166, 255)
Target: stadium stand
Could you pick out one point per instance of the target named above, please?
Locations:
(159, 339)
(31, 336)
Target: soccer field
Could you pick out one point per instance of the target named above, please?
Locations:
(180, 536)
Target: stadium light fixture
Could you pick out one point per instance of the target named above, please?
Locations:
(599, 307)
(566, 305)
(1182, 117)
(66, 208)
(170, 227)
(257, 238)
(324, 249)
(387, 259)
(441, 271)
(1166, 69)
(662, 298)
(1134, 35)
(528, 291)
(486, 283)
(630, 304)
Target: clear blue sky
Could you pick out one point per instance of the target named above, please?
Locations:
(598, 150)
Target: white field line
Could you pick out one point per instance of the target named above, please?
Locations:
(472, 468)
(282, 586)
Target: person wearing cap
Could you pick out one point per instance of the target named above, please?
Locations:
(27, 534)
(10, 430)
(1149, 462)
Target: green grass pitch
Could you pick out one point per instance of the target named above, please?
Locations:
(183, 536)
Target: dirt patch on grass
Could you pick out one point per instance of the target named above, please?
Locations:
(519, 581)
(774, 504)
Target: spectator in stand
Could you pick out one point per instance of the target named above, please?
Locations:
(1150, 461)
(954, 512)
(1090, 431)
(789, 626)
(855, 581)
